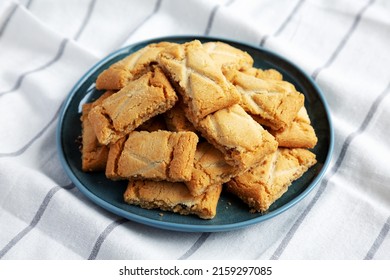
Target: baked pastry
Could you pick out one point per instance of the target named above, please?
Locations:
(173, 197)
(242, 141)
(262, 185)
(198, 79)
(158, 155)
(227, 56)
(114, 153)
(267, 74)
(93, 154)
(272, 103)
(130, 68)
(137, 102)
(299, 134)
(210, 169)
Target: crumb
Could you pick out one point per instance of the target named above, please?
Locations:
(79, 142)
(160, 214)
(229, 203)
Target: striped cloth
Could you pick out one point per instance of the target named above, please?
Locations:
(46, 46)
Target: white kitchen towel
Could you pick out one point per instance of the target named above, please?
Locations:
(46, 46)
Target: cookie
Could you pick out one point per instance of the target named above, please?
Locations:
(227, 56)
(158, 155)
(210, 169)
(93, 154)
(272, 103)
(299, 134)
(137, 102)
(174, 197)
(198, 79)
(114, 153)
(262, 185)
(242, 140)
(119, 74)
(267, 74)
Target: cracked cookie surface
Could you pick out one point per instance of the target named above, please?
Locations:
(137, 102)
(158, 155)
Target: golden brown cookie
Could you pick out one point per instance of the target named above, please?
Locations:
(137, 102)
(242, 140)
(131, 67)
(174, 197)
(267, 74)
(299, 134)
(114, 152)
(93, 154)
(210, 168)
(198, 79)
(158, 155)
(263, 185)
(227, 56)
(271, 102)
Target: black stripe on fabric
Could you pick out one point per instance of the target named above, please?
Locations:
(20, 79)
(155, 10)
(59, 53)
(343, 41)
(29, 143)
(285, 22)
(290, 234)
(211, 19)
(87, 17)
(103, 236)
(195, 247)
(38, 215)
(212, 16)
(8, 18)
(28, 4)
(37, 136)
(378, 241)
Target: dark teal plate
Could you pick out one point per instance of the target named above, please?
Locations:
(231, 212)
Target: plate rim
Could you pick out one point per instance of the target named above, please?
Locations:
(190, 227)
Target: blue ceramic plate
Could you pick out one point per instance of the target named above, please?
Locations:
(231, 212)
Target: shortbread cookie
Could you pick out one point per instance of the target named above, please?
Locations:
(227, 56)
(115, 150)
(210, 168)
(174, 197)
(131, 67)
(267, 74)
(158, 155)
(198, 79)
(263, 185)
(136, 103)
(273, 103)
(93, 154)
(300, 134)
(242, 140)
(176, 119)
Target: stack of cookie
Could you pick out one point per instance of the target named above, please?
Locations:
(180, 121)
